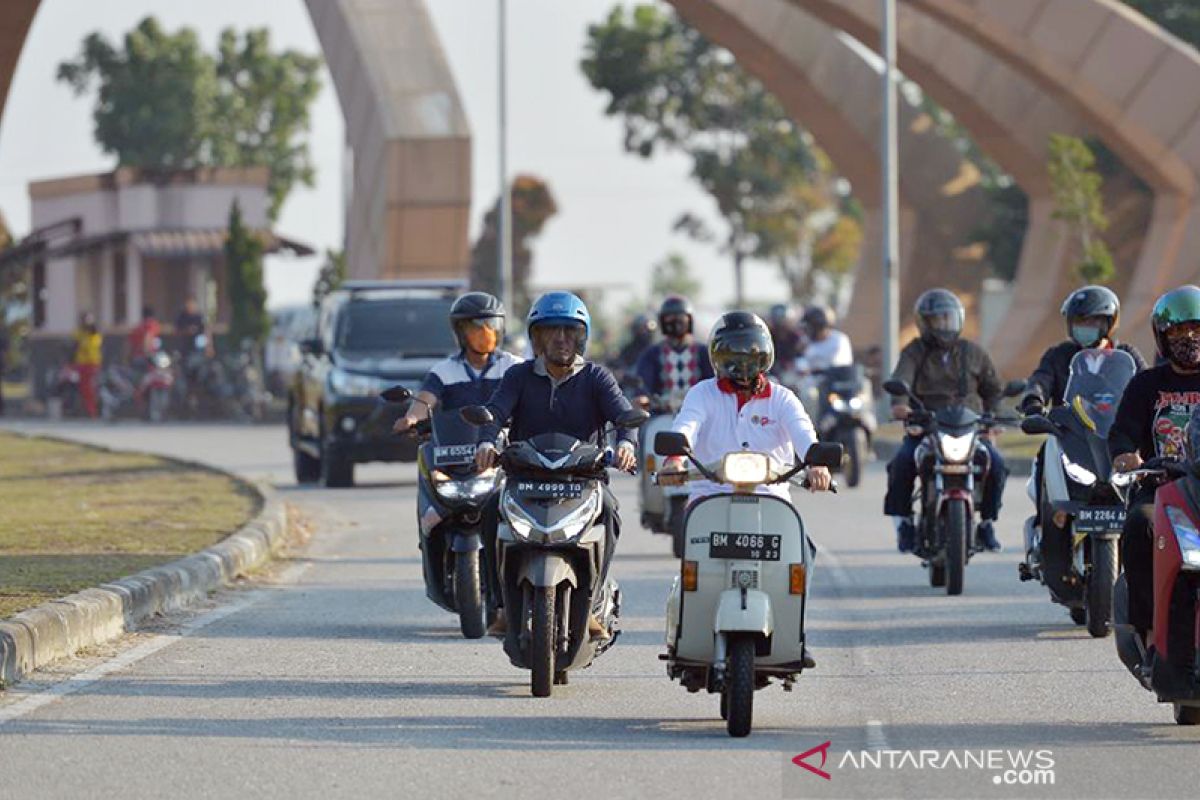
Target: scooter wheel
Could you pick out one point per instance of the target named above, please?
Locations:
(739, 686)
(1079, 616)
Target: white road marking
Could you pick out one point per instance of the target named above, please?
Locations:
(876, 740)
(130, 657)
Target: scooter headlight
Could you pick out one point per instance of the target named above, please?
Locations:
(1186, 535)
(1081, 475)
(474, 488)
(956, 448)
(837, 402)
(518, 520)
(745, 468)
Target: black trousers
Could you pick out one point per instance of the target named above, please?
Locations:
(610, 518)
(1137, 558)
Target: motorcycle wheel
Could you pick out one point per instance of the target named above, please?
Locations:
(1187, 715)
(678, 512)
(156, 405)
(739, 686)
(1100, 587)
(725, 705)
(856, 455)
(1079, 616)
(937, 575)
(337, 471)
(958, 526)
(541, 645)
(468, 596)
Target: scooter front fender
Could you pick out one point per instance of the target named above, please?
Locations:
(466, 542)
(546, 568)
(751, 614)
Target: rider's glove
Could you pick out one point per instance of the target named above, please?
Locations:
(1032, 405)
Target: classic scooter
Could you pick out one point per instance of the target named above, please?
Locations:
(735, 614)
(663, 507)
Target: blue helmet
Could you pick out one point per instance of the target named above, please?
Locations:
(560, 307)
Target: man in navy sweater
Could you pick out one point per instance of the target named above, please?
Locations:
(557, 392)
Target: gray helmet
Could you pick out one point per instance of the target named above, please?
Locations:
(940, 317)
(476, 306)
(1092, 301)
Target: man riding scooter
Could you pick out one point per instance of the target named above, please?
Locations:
(669, 369)
(742, 409)
(558, 392)
(941, 368)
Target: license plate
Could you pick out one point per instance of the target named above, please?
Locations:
(745, 546)
(1100, 519)
(550, 490)
(454, 455)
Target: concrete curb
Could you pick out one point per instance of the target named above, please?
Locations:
(35, 637)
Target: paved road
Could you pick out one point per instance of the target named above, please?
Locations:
(346, 680)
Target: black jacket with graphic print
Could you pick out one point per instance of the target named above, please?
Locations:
(1154, 413)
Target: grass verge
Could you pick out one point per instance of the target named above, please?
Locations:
(74, 516)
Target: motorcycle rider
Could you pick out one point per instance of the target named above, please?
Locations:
(1150, 422)
(741, 408)
(826, 346)
(678, 363)
(559, 392)
(781, 321)
(941, 368)
(469, 377)
(641, 335)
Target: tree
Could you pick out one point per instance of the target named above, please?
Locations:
(532, 206)
(244, 272)
(676, 90)
(673, 275)
(1077, 196)
(331, 275)
(14, 297)
(163, 103)
(1180, 17)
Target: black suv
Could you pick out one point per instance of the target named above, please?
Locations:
(369, 336)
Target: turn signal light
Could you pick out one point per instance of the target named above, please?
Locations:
(797, 579)
(650, 465)
(691, 575)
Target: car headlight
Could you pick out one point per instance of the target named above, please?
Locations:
(354, 385)
(837, 402)
(745, 468)
(1187, 536)
(956, 448)
(1079, 474)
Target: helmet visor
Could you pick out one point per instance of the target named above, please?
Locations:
(742, 356)
(944, 322)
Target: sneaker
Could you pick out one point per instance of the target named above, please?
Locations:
(499, 626)
(595, 629)
(807, 660)
(906, 535)
(987, 536)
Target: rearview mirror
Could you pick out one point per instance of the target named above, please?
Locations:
(1035, 426)
(1014, 388)
(477, 415)
(897, 387)
(824, 454)
(311, 347)
(670, 443)
(396, 394)
(633, 418)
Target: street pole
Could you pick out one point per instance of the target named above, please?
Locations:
(891, 199)
(504, 255)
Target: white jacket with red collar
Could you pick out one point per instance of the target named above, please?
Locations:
(773, 422)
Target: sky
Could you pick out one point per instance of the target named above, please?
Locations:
(615, 210)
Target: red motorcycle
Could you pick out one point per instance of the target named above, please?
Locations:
(1169, 665)
(155, 387)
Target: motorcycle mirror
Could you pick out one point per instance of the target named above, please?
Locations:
(824, 454)
(1035, 426)
(633, 418)
(897, 387)
(477, 416)
(670, 443)
(311, 347)
(395, 394)
(1014, 388)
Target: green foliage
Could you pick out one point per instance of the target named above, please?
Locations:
(15, 283)
(673, 275)
(331, 275)
(164, 103)
(1004, 230)
(675, 90)
(532, 206)
(244, 272)
(1180, 17)
(1076, 186)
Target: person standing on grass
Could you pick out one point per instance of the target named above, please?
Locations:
(88, 342)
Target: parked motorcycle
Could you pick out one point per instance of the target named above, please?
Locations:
(1074, 552)
(155, 387)
(950, 459)
(451, 497)
(847, 416)
(117, 391)
(65, 396)
(551, 552)
(663, 507)
(1169, 665)
(735, 614)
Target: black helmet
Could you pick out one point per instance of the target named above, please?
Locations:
(1091, 301)
(673, 306)
(1176, 307)
(816, 318)
(780, 314)
(940, 316)
(740, 347)
(643, 326)
(474, 306)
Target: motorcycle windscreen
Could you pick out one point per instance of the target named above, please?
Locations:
(1097, 380)
(454, 440)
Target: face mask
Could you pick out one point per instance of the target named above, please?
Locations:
(1086, 335)
(1185, 351)
(482, 340)
(675, 328)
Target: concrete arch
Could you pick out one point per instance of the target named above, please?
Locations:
(829, 87)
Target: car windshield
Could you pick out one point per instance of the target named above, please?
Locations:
(412, 327)
(1098, 379)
